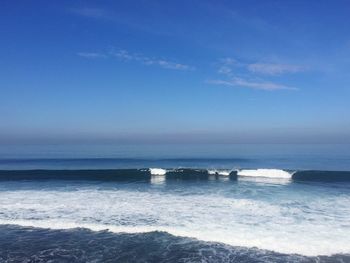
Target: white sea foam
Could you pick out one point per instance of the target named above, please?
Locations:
(269, 173)
(219, 172)
(266, 217)
(157, 171)
(158, 180)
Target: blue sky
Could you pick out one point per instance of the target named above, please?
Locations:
(175, 71)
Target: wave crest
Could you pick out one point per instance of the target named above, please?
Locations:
(219, 172)
(269, 173)
(157, 171)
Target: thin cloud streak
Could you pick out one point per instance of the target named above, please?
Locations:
(226, 65)
(259, 85)
(225, 70)
(126, 56)
(274, 69)
(234, 69)
(91, 55)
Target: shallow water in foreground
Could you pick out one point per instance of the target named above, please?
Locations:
(24, 244)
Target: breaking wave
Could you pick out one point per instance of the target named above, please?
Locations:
(157, 171)
(171, 173)
(269, 173)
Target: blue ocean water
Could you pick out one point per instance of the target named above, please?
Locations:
(333, 157)
(175, 203)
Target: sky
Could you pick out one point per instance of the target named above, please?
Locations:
(175, 71)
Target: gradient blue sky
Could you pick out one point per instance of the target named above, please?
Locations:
(175, 71)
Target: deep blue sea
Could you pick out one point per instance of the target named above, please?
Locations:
(175, 203)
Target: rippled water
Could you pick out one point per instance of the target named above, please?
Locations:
(23, 244)
(167, 215)
(303, 218)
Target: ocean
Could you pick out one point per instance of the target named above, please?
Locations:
(175, 203)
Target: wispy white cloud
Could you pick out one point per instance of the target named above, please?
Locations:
(126, 56)
(169, 64)
(91, 55)
(274, 69)
(260, 85)
(227, 66)
(228, 61)
(248, 75)
(225, 70)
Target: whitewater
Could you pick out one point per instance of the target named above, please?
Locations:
(271, 212)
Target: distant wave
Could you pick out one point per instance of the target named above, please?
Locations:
(157, 171)
(269, 173)
(220, 172)
(178, 173)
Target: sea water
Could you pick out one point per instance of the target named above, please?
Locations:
(264, 204)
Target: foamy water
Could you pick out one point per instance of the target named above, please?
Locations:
(219, 172)
(157, 171)
(293, 218)
(267, 173)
